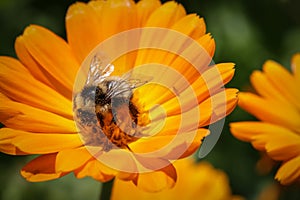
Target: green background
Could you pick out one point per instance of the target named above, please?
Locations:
(246, 33)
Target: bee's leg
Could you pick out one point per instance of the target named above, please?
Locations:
(128, 148)
(100, 118)
(134, 113)
(107, 146)
(114, 119)
(115, 136)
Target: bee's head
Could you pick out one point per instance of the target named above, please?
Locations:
(101, 97)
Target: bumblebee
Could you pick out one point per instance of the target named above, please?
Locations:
(104, 111)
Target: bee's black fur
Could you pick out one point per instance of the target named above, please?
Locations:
(88, 93)
(100, 97)
(87, 118)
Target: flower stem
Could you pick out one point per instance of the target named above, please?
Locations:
(106, 190)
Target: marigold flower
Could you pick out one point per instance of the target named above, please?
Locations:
(277, 106)
(196, 180)
(37, 97)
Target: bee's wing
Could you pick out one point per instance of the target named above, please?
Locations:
(98, 70)
(136, 80)
(126, 84)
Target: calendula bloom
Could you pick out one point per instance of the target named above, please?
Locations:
(277, 106)
(196, 180)
(37, 98)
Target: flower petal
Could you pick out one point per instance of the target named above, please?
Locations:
(23, 117)
(169, 146)
(284, 81)
(210, 111)
(114, 17)
(195, 145)
(101, 172)
(217, 76)
(264, 110)
(209, 83)
(18, 84)
(37, 70)
(6, 144)
(289, 171)
(118, 16)
(71, 159)
(41, 168)
(241, 131)
(96, 170)
(119, 159)
(158, 180)
(284, 147)
(166, 15)
(166, 54)
(265, 88)
(36, 143)
(177, 71)
(144, 10)
(41, 43)
(208, 43)
(191, 25)
(218, 106)
(284, 144)
(195, 58)
(82, 22)
(177, 82)
(187, 65)
(27, 60)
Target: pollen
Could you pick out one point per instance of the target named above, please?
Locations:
(121, 123)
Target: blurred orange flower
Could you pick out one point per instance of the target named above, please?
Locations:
(277, 105)
(195, 181)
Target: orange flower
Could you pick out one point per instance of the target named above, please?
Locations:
(195, 181)
(277, 105)
(37, 92)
